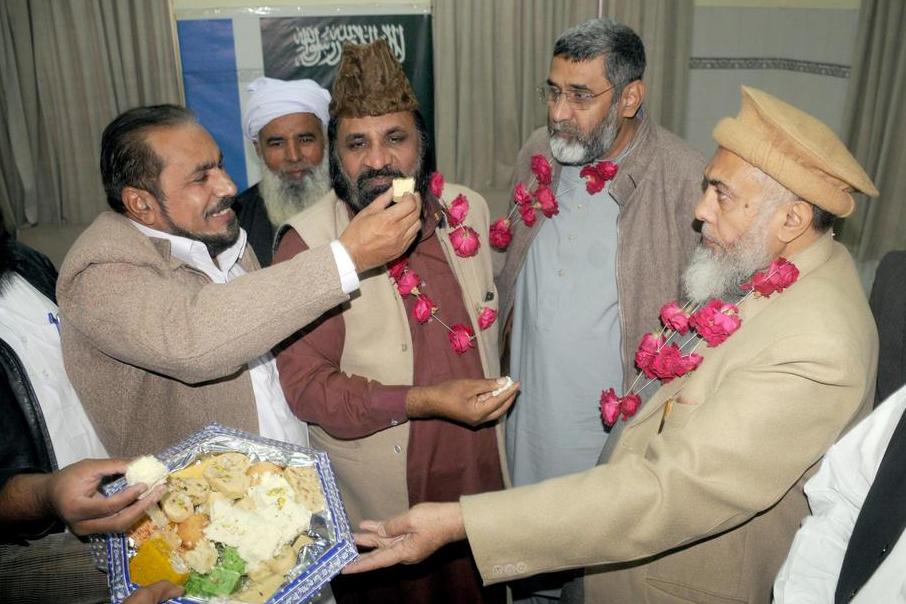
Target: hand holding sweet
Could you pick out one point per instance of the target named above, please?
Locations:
(380, 233)
(466, 401)
(72, 494)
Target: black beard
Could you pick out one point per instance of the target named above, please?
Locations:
(216, 244)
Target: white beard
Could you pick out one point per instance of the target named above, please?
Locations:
(283, 199)
(584, 149)
(567, 153)
(719, 273)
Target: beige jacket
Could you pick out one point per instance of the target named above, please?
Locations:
(156, 351)
(657, 188)
(708, 507)
(371, 471)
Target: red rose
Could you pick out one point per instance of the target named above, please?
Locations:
(458, 211)
(610, 407)
(528, 215)
(547, 201)
(778, 276)
(607, 169)
(542, 169)
(465, 242)
(690, 362)
(461, 338)
(397, 267)
(715, 321)
(673, 317)
(500, 234)
(407, 282)
(594, 182)
(424, 308)
(629, 404)
(521, 195)
(647, 350)
(486, 317)
(436, 184)
(668, 363)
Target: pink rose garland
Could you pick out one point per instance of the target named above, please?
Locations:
(597, 175)
(464, 238)
(715, 321)
(779, 275)
(542, 199)
(466, 244)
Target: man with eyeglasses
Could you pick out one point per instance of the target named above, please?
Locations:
(580, 289)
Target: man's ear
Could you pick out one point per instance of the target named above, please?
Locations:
(141, 205)
(632, 98)
(798, 220)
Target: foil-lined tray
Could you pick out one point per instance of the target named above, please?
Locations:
(332, 548)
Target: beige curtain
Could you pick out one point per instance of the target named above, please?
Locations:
(490, 56)
(876, 129)
(68, 68)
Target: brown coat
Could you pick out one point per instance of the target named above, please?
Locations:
(704, 510)
(657, 188)
(156, 351)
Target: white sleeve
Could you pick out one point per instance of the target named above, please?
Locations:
(349, 278)
(835, 494)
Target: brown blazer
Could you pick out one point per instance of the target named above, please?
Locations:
(657, 188)
(705, 509)
(156, 351)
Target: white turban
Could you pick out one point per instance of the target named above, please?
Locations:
(271, 98)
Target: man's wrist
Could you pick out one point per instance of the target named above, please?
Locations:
(26, 498)
(417, 402)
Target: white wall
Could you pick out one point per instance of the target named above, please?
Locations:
(799, 51)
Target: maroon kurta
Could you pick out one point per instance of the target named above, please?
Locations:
(445, 460)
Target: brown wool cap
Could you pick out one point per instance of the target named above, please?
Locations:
(370, 81)
(797, 150)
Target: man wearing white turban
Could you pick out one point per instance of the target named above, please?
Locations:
(285, 120)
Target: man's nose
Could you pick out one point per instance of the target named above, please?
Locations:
(293, 153)
(704, 211)
(559, 110)
(378, 157)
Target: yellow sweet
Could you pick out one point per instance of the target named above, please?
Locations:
(154, 561)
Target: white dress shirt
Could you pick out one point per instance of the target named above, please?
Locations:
(29, 324)
(836, 494)
(275, 419)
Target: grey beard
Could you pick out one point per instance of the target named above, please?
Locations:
(585, 149)
(718, 274)
(284, 199)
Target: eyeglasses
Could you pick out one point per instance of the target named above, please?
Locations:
(580, 99)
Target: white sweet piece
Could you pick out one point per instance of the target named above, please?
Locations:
(148, 470)
(401, 186)
(509, 384)
(275, 518)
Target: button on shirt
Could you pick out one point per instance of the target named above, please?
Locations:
(29, 324)
(275, 420)
(565, 346)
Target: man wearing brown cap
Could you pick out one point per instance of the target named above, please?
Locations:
(417, 344)
(703, 492)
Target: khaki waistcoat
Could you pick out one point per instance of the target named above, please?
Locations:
(371, 471)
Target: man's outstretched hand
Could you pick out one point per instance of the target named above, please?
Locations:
(408, 538)
(73, 495)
